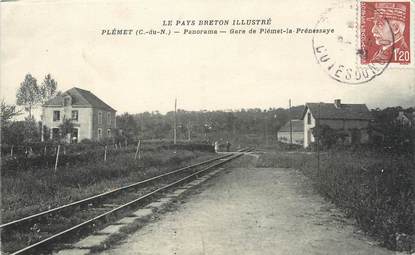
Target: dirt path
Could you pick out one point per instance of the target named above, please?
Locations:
(251, 211)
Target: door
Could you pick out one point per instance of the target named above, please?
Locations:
(356, 136)
(55, 134)
(74, 135)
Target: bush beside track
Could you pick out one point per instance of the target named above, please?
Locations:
(83, 153)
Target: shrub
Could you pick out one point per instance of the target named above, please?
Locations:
(86, 141)
(73, 154)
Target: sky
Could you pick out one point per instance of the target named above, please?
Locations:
(146, 73)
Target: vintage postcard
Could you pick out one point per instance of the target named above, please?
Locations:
(207, 127)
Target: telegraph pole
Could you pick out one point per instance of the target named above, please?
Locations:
(291, 123)
(175, 122)
(266, 130)
(318, 140)
(188, 131)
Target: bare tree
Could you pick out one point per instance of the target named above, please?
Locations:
(8, 112)
(48, 89)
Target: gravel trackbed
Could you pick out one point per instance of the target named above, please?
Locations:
(251, 211)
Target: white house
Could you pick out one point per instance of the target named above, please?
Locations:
(294, 131)
(93, 119)
(353, 119)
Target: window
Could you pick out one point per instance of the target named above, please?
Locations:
(67, 101)
(109, 132)
(56, 115)
(308, 118)
(99, 118)
(108, 118)
(99, 133)
(75, 115)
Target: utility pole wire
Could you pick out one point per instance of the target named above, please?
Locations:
(188, 131)
(291, 124)
(318, 140)
(175, 122)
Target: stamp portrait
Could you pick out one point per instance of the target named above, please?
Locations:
(207, 127)
(371, 36)
(385, 32)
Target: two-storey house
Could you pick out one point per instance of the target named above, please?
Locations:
(91, 117)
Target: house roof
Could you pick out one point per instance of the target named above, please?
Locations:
(80, 98)
(344, 112)
(297, 126)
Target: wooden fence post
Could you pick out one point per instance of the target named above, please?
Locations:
(57, 157)
(137, 151)
(105, 153)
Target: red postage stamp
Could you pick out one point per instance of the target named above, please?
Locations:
(385, 32)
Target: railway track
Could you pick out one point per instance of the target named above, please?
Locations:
(100, 208)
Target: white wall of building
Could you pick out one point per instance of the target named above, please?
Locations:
(297, 137)
(308, 136)
(83, 124)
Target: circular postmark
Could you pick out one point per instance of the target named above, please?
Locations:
(343, 54)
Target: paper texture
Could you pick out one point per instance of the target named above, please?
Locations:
(333, 61)
(209, 56)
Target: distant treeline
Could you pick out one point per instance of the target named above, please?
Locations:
(240, 127)
(208, 125)
(253, 126)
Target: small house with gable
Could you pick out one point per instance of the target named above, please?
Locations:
(292, 132)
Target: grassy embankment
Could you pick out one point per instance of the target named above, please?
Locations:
(375, 189)
(32, 190)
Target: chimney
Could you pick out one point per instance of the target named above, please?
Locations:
(337, 103)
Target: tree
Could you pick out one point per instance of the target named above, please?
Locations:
(31, 130)
(19, 132)
(28, 94)
(328, 136)
(128, 125)
(230, 122)
(8, 112)
(14, 133)
(48, 88)
(66, 128)
(46, 133)
(397, 137)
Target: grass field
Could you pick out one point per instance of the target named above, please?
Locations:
(34, 190)
(375, 189)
